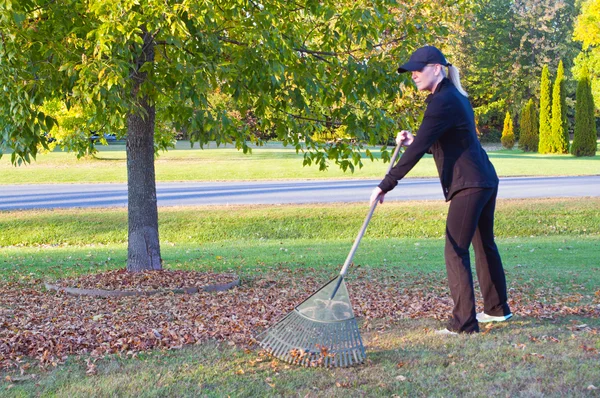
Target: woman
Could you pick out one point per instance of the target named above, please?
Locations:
(469, 182)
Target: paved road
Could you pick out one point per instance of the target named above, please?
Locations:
(275, 192)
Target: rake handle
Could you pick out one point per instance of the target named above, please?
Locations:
(363, 228)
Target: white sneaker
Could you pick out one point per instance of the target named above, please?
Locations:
(484, 318)
(445, 332)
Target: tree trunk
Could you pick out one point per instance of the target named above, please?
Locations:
(143, 252)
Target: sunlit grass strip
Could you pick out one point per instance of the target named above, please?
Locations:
(565, 262)
(199, 225)
(273, 162)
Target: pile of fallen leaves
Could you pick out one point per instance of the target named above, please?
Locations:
(121, 280)
(49, 325)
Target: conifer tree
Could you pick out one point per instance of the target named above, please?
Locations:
(528, 137)
(508, 133)
(584, 140)
(559, 136)
(524, 125)
(535, 128)
(545, 107)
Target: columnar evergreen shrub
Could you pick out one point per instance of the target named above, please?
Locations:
(524, 124)
(559, 136)
(584, 140)
(545, 117)
(528, 137)
(508, 133)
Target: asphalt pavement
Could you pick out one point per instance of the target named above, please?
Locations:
(51, 196)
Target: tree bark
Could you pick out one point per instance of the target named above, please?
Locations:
(143, 252)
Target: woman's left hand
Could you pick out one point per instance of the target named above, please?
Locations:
(377, 194)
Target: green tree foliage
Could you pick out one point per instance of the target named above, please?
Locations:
(529, 136)
(487, 118)
(508, 133)
(480, 62)
(587, 31)
(502, 51)
(559, 136)
(296, 69)
(220, 71)
(545, 126)
(69, 132)
(584, 140)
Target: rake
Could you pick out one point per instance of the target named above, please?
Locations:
(322, 330)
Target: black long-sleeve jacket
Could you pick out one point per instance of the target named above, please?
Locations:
(448, 132)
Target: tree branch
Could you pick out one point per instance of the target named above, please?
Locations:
(164, 48)
(308, 119)
(43, 6)
(230, 41)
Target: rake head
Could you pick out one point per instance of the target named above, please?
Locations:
(322, 331)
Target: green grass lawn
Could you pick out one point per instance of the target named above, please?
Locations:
(270, 162)
(201, 225)
(561, 236)
(549, 248)
(571, 261)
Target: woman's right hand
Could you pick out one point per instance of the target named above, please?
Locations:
(376, 195)
(405, 138)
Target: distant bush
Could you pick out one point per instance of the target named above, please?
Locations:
(489, 119)
(559, 136)
(584, 140)
(544, 145)
(508, 133)
(529, 136)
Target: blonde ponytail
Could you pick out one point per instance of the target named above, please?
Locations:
(454, 76)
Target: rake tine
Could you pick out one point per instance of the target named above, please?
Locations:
(350, 343)
(330, 347)
(347, 346)
(273, 340)
(330, 344)
(290, 332)
(333, 347)
(356, 346)
(274, 343)
(342, 347)
(360, 344)
(280, 336)
(354, 351)
(302, 343)
(284, 348)
(353, 345)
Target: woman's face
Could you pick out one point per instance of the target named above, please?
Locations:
(428, 77)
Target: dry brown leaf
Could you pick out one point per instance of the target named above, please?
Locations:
(91, 368)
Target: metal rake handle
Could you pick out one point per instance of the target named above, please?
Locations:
(366, 222)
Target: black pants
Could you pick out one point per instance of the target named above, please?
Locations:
(471, 220)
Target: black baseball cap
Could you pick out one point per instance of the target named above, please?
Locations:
(422, 57)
